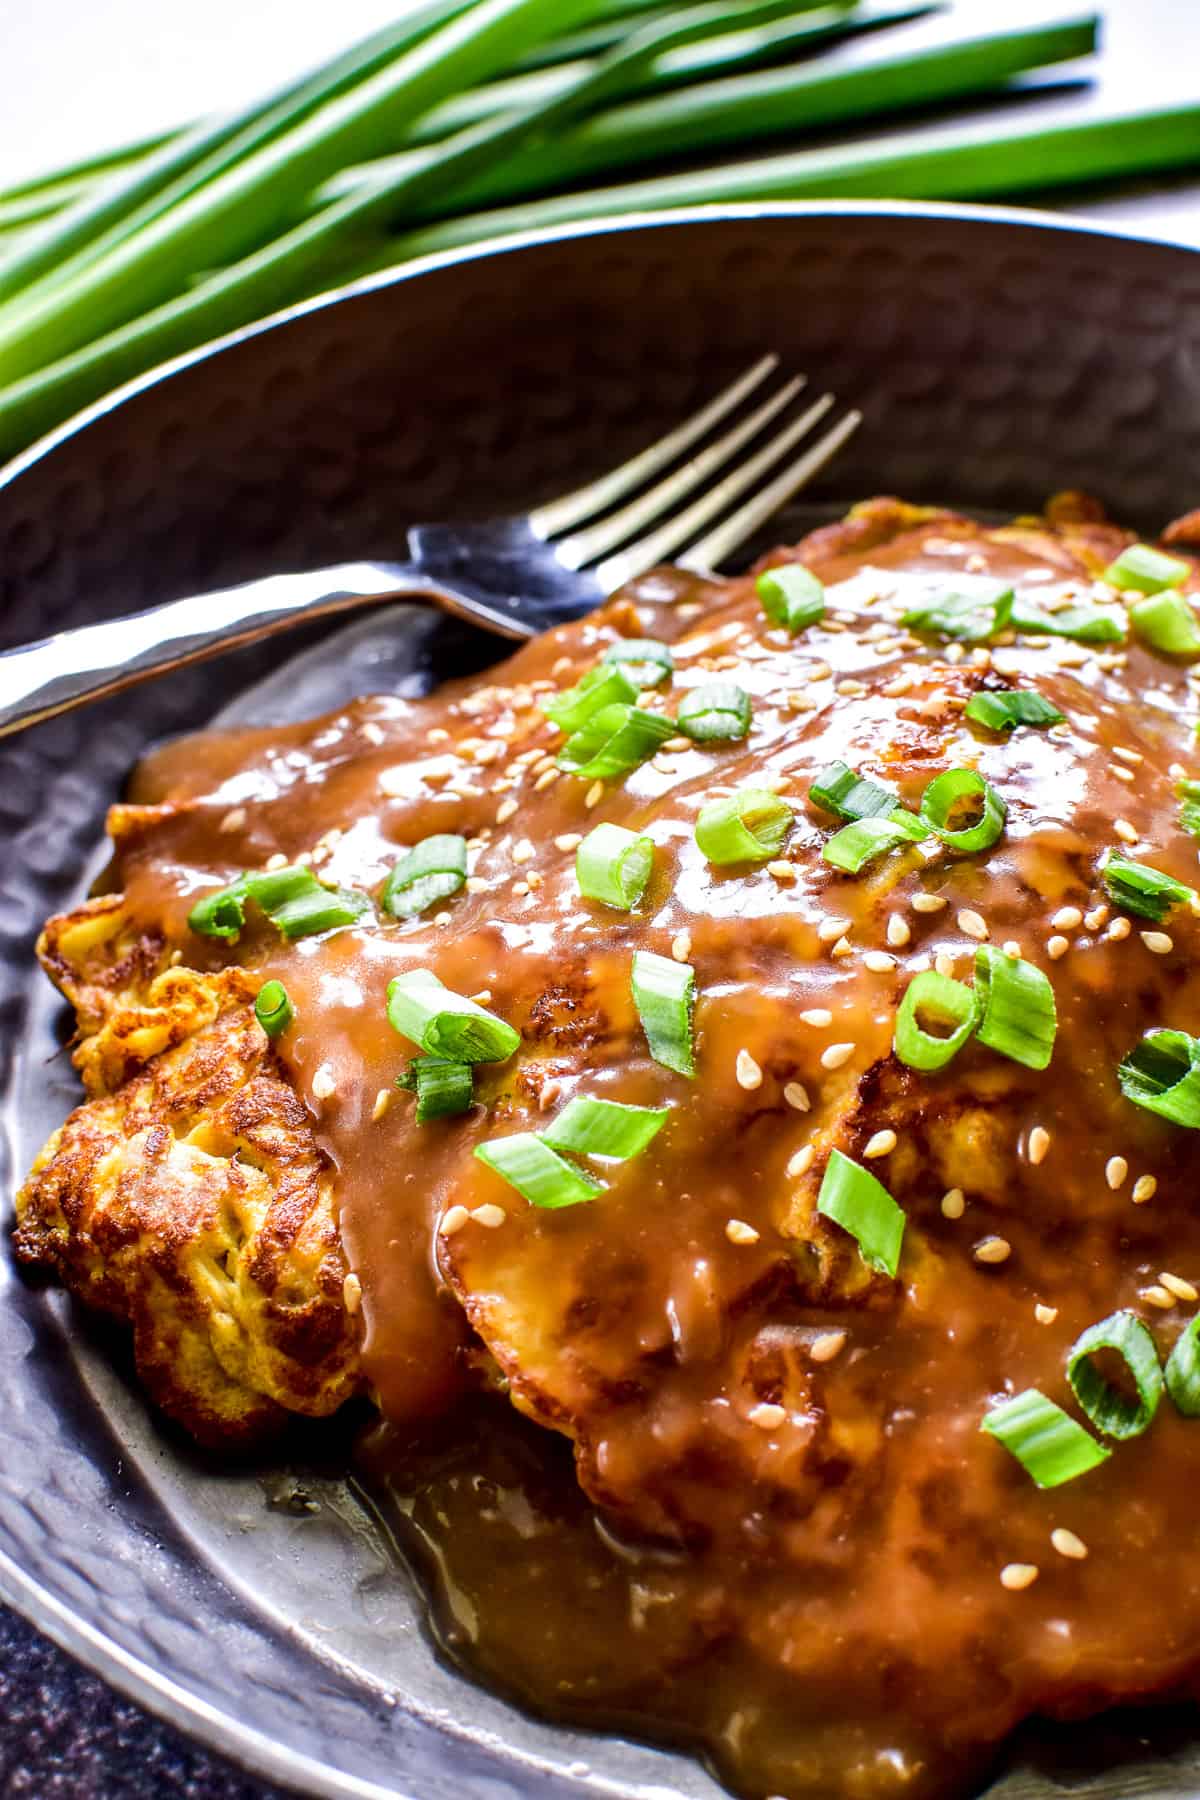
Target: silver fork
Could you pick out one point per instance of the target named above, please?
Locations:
(514, 576)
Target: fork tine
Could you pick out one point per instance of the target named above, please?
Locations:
(709, 552)
(559, 515)
(585, 546)
(651, 549)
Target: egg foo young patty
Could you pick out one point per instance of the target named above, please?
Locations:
(722, 1029)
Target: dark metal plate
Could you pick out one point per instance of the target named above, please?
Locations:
(997, 357)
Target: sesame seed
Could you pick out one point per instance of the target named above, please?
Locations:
(1039, 1143)
(749, 1075)
(1120, 928)
(836, 1055)
(818, 1016)
(475, 884)
(520, 887)
(678, 744)
(1129, 756)
(1160, 943)
(483, 997)
(490, 1216)
(1067, 918)
(442, 918)
(545, 780)
(1182, 1290)
(801, 1162)
(1158, 1296)
(819, 671)
(928, 903)
(1115, 1171)
(561, 667)
(1056, 947)
(594, 795)
(796, 1095)
(899, 684)
(853, 689)
(1125, 830)
(1012, 949)
(898, 932)
(953, 1203)
(1067, 1544)
(972, 924)
(352, 1293)
(881, 1144)
(992, 1250)
(1095, 919)
(568, 841)
(738, 1232)
(824, 1348)
(802, 703)
(437, 734)
(681, 945)
(234, 819)
(781, 871)
(766, 1416)
(943, 962)
(1120, 773)
(523, 851)
(1144, 1188)
(879, 962)
(542, 766)
(324, 1083)
(843, 947)
(372, 732)
(278, 861)
(1045, 1315)
(829, 930)
(383, 1100)
(1015, 1576)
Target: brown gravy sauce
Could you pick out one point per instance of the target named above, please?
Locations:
(820, 1602)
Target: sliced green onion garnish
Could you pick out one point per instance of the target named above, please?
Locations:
(537, 1172)
(1136, 888)
(1085, 624)
(1000, 709)
(447, 1024)
(588, 1127)
(1168, 623)
(751, 825)
(950, 1005)
(716, 709)
(613, 741)
(1110, 1409)
(974, 609)
(944, 797)
(853, 1199)
(843, 791)
(664, 992)
(1183, 1370)
(1162, 1073)
(292, 898)
(792, 596)
(1189, 806)
(273, 1010)
(606, 685)
(645, 659)
(613, 865)
(1048, 1443)
(862, 840)
(1148, 570)
(432, 870)
(1017, 1014)
(443, 1086)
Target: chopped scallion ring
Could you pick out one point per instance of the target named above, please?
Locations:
(950, 791)
(1000, 709)
(1049, 1444)
(791, 596)
(1137, 888)
(850, 795)
(1111, 1410)
(273, 1010)
(1162, 1073)
(862, 840)
(950, 1004)
(443, 1086)
(853, 1199)
(605, 685)
(751, 825)
(1167, 623)
(432, 870)
(644, 659)
(664, 992)
(1183, 1370)
(292, 898)
(589, 1127)
(447, 1024)
(613, 741)
(715, 710)
(1085, 624)
(537, 1172)
(1189, 806)
(1017, 1014)
(1145, 569)
(613, 865)
(976, 608)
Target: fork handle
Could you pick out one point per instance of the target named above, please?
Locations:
(87, 663)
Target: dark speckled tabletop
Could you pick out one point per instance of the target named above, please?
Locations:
(63, 1733)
